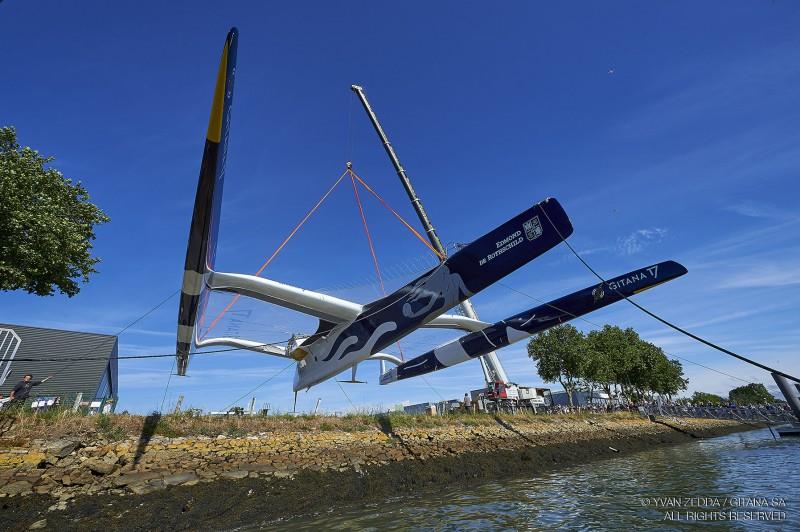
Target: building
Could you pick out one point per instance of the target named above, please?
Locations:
(81, 363)
(580, 398)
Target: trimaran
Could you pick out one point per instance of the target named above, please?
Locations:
(349, 332)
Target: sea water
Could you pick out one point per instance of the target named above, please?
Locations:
(747, 480)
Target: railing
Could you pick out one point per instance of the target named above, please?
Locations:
(76, 402)
(772, 414)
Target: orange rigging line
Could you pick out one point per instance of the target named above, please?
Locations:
(369, 236)
(275, 253)
(353, 177)
(397, 215)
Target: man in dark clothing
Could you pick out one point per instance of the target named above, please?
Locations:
(23, 388)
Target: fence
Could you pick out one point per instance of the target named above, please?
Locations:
(77, 402)
(773, 414)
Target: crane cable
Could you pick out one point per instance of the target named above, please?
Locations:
(594, 324)
(664, 321)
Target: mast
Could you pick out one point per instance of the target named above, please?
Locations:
(490, 364)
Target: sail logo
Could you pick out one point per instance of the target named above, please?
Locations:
(533, 229)
(634, 278)
(598, 293)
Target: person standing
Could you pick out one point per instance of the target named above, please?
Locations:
(23, 388)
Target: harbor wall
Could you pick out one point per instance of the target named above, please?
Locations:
(282, 472)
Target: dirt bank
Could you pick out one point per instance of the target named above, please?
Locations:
(221, 482)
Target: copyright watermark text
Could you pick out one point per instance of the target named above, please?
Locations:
(733, 508)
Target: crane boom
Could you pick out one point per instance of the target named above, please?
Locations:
(492, 369)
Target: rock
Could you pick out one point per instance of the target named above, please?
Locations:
(64, 462)
(61, 448)
(135, 478)
(99, 466)
(60, 505)
(111, 458)
(205, 473)
(140, 488)
(259, 468)
(34, 458)
(42, 523)
(16, 488)
(236, 474)
(31, 476)
(179, 478)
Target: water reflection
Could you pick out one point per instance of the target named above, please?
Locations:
(634, 491)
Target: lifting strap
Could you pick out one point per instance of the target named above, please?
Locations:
(275, 253)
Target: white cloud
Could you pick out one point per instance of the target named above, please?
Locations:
(753, 209)
(636, 241)
(763, 276)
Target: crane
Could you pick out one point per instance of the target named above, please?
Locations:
(498, 386)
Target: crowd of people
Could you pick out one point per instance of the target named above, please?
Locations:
(682, 407)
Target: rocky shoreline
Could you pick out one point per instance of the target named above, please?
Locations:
(91, 483)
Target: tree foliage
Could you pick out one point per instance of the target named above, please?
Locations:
(559, 354)
(46, 223)
(614, 360)
(751, 394)
(709, 398)
(611, 351)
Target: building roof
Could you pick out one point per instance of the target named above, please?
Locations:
(69, 376)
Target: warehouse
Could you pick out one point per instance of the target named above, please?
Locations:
(83, 365)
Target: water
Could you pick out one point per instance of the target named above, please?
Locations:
(627, 492)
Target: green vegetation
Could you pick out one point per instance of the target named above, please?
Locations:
(27, 425)
(751, 394)
(46, 222)
(614, 360)
(106, 427)
(710, 398)
(560, 355)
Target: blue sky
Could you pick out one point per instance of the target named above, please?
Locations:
(667, 131)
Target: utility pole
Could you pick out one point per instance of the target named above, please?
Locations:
(490, 364)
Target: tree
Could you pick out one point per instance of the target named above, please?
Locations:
(613, 353)
(751, 394)
(671, 379)
(46, 223)
(710, 398)
(559, 355)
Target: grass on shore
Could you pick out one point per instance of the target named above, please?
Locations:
(26, 425)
